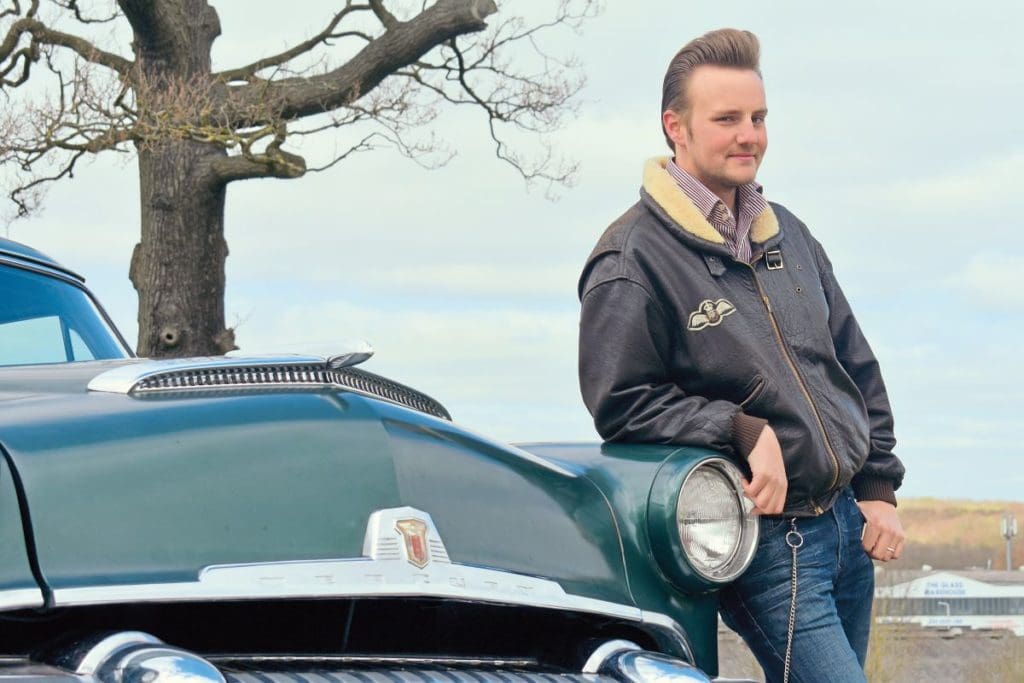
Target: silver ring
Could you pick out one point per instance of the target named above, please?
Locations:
(891, 549)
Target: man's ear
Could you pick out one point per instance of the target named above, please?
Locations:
(675, 128)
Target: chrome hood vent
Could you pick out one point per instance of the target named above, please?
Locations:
(208, 375)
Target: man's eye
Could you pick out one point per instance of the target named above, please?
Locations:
(760, 119)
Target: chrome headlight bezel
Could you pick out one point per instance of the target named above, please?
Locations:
(671, 496)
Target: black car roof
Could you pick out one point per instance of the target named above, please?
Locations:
(24, 252)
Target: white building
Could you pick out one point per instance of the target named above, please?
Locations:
(948, 599)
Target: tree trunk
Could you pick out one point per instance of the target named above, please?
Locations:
(178, 266)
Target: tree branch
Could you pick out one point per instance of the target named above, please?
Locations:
(248, 72)
(364, 145)
(72, 5)
(398, 47)
(44, 35)
(386, 17)
(272, 164)
(26, 196)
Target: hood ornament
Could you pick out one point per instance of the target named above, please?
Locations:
(414, 533)
(360, 352)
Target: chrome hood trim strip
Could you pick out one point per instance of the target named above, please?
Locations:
(217, 375)
(20, 598)
(349, 578)
(403, 556)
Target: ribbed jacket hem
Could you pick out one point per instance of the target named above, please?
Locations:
(746, 429)
(874, 488)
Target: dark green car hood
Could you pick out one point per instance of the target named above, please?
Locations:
(264, 493)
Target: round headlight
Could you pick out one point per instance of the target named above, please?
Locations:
(717, 532)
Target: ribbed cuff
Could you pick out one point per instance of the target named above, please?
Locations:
(874, 488)
(746, 429)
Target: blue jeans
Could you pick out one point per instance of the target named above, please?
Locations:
(835, 586)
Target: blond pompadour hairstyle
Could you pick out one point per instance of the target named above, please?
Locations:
(728, 47)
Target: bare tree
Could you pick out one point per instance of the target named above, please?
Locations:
(375, 73)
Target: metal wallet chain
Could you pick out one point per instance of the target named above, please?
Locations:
(794, 540)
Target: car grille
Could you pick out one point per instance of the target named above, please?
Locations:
(297, 375)
(392, 669)
(411, 675)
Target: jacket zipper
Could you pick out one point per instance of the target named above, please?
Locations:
(800, 381)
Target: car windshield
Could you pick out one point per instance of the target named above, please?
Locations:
(45, 319)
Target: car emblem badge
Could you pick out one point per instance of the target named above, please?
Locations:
(414, 533)
(709, 314)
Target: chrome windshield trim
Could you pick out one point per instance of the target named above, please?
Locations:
(20, 598)
(17, 260)
(123, 379)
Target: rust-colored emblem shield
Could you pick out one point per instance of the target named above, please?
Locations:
(414, 533)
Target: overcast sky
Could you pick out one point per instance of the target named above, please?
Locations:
(896, 134)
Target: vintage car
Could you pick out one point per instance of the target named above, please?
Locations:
(262, 520)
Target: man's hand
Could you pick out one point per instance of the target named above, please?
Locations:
(767, 487)
(883, 534)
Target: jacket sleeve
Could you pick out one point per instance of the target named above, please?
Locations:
(882, 473)
(625, 379)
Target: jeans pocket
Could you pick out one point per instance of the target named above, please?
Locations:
(769, 525)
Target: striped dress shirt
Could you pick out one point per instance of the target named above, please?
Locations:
(736, 232)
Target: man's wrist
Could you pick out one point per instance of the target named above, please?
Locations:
(746, 430)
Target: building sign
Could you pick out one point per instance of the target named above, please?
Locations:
(950, 588)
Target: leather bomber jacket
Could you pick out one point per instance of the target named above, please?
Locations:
(677, 339)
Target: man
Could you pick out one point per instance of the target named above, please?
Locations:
(711, 317)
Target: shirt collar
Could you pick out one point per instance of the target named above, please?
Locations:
(750, 195)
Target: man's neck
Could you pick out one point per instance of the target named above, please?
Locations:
(728, 195)
(731, 199)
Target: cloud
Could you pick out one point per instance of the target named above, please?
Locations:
(452, 280)
(973, 187)
(993, 280)
(452, 338)
(525, 280)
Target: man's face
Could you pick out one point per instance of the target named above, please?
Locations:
(722, 137)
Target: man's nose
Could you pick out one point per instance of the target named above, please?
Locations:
(746, 133)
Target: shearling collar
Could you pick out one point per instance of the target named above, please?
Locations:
(662, 188)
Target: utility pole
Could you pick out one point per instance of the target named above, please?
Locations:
(1009, 530)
